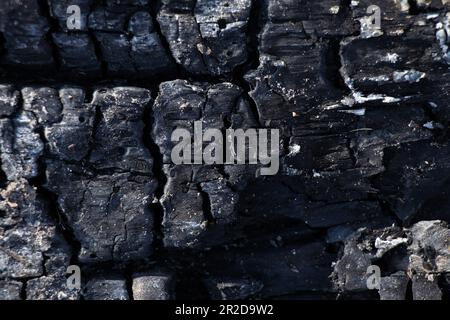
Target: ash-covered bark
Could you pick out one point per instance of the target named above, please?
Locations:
(363, 119)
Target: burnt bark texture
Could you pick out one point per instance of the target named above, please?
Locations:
(86, 178)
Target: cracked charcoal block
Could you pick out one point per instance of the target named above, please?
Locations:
(186, 221)
(115, 37)
(69, 139)
(275, 82)
(291, 76)
(31, 246)
(118, 135)
(129, 42)
(146, 46)
(20, 146)
(206, 37)
(130, 53)
(350, 270)
(198, 207)
(43, 103)
(153, 287)
(319, 18)
(109, 214)
(394, 68)
(180, 103)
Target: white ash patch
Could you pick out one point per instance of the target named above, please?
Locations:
(367, 28)
(334, 9)
(384, 246)
(294, 149)
(359, 98)
(410, 76)
(357, 112)
(431, 125)
(391, 58)
(382, 78)
(403, 5)
(443, 36)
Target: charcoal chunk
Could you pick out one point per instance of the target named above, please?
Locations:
(196, 199)
(20, 146)
(69, 139)
(31, 246)
(153, 287)
(424, 248)
(206, 37)
(109, 214)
